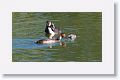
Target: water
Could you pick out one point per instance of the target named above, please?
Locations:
(29, 27)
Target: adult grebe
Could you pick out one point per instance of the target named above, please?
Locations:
(51, 30)
(70, 37)
(47, 41)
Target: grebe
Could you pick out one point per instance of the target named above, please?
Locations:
(51, 30)
(70, 37)
(47, 41)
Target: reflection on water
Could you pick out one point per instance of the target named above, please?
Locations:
(28, 27)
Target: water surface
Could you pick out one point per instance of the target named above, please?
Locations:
(29, 27)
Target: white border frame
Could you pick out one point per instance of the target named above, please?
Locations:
(104, 67)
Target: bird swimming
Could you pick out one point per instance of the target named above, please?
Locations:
(51, 30)
(72, 36)
(62, 36)
(46, 41)
(54, 34)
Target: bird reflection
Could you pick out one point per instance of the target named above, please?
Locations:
(63, 44)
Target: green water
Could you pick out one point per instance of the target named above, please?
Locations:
(29, 26)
